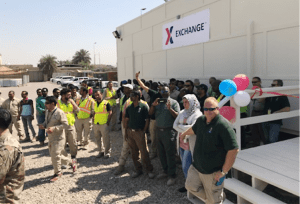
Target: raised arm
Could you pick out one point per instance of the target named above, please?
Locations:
(141, 83)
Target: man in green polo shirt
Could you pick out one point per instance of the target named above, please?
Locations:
(166, 110)
(214, 153)
(136, 124)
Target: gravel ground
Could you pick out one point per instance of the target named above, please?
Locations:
(94, 181)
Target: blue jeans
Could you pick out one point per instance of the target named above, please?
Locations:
(186, 160)
(27, 121)
(271, 131)
(41, 120)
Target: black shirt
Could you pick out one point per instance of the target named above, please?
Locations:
(201, 101)
(153, 96)
(137, 115)
(275, 104)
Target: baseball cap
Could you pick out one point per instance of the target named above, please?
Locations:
(128, 86)
(124, 82)
(202, 86)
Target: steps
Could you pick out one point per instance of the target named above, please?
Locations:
(248, 193)
(196, 200)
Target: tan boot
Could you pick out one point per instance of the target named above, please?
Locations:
(120, 169)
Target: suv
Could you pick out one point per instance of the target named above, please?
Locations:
(65, 78)
(76, 81)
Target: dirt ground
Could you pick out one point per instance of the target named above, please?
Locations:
(94, 181)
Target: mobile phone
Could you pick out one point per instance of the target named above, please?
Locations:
(162, 100)
(220, 181)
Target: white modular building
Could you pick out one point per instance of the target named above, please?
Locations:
(198, 39)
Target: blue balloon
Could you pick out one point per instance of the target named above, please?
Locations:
(228, 87)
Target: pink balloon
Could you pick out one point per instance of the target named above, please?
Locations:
(241, 81)
(228, 112)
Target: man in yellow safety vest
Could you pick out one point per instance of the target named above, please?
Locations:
(84, 117)
(101, 122)
(69, 107)
(111, 95)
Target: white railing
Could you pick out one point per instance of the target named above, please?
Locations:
(289, 90)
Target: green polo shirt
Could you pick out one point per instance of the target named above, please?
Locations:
(137, 115)
(213, 140)
(164, 118)
(153, 96)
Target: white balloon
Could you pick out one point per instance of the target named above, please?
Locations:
(241, 98)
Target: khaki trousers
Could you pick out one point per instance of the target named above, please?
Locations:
(55, 149)
(101, 131)
(137, 143)
(86, 125)
(125, 149)
(71, 140)
(17, 124)
(153, 136)
(204, 186)
(113, 119)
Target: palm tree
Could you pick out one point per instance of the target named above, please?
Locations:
(81, 55)
(48, 65)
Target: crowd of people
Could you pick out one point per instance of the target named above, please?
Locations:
(182, 119)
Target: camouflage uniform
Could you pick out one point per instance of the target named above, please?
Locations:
(12, 169)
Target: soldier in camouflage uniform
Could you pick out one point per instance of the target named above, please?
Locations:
(12, 168)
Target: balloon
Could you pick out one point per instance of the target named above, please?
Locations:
(224, 100)
(228, 112)
(241, 98)
(227, 87)
(241, 81)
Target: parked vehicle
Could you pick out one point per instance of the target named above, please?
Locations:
(99, 85)
(65, 78)
(76, 81)
(56, 78)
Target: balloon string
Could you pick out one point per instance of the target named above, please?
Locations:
(260, 91)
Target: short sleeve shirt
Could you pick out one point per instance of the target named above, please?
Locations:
(26, 107)
(213, 141)
(137, 115)
(153, 96)
(163, 116)
(275, 104)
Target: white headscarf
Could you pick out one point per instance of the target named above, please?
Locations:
(194, 105)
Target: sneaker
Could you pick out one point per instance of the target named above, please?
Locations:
(22, 137)
(55, 177)
(182, 190)
(136, 174)
(106, 156)
(74, 165)
(119, 169)
(64, 166)
(101, 154)
(162, 175)
(33, 139)
(151, 175)
(171, 182)
(27, 139)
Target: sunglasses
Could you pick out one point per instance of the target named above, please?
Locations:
(254, 82)
(163, 91)
(210, 109)
(39, 92)
(187, 85)
(273, 84)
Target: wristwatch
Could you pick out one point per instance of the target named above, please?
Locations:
(224, 173)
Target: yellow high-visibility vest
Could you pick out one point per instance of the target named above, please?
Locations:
(84, 108)
(68, 110)
(101, 114)
(112, 102)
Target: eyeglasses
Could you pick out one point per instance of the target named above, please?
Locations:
(163, 91)
(210, 109)
(254, 82)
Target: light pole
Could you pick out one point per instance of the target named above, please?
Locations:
(143, 9)
(94, 54)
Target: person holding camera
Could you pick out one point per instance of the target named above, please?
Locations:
(166, 110)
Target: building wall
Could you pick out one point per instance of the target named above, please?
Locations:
(268, 47)
(274, 51)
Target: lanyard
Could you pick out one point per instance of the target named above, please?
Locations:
(50, 117)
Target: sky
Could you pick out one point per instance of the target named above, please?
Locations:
(34, 28)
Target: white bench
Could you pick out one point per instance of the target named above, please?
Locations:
(198, 200)
(246, 193)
